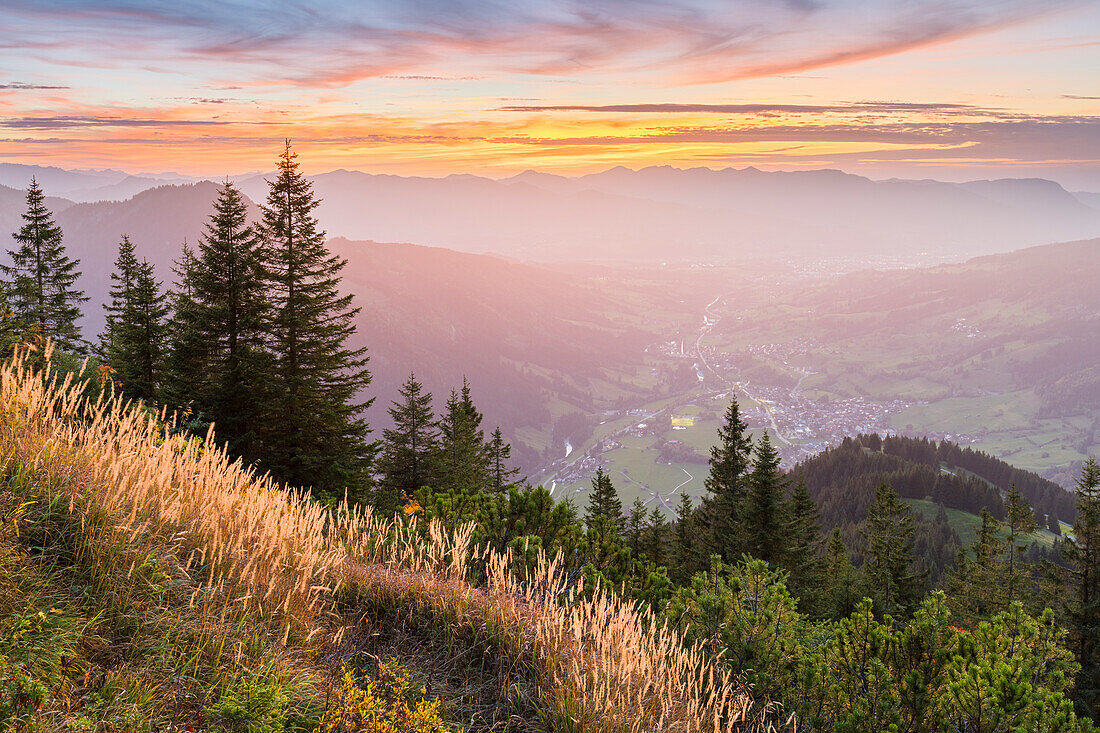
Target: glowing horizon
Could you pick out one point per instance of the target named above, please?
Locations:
(950, 89)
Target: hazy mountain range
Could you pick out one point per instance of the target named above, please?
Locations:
(541, 340)
(654, 214)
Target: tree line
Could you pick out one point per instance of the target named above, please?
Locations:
(855, 634)
(252, 336)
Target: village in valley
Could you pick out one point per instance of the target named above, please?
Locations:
(657, 450)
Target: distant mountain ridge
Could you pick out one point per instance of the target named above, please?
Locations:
(85, 185)
(659, 213)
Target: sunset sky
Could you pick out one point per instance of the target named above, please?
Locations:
(951, 89)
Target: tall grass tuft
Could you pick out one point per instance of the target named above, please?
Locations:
(597, 662)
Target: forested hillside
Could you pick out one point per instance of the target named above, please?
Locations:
(958, 478)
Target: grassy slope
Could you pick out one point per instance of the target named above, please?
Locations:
(154, 585)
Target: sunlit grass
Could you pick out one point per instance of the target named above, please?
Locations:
(163, 508)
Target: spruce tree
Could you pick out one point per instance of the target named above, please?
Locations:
(42, 278)
(889, 569)
(605, 544)
(687, 550)
(187, 379)
(113, 344)
(227, 312)
(133, 344)
(762, 531)
(1020, 522)
(314, 433)
(410, 448)
(840, 578)
(657, 537)
(144, 323)
(636, 523)
(11, 328)
(604, 502)
(1082, 552)
(464, 460)
(802, 554)
(499, 453)
(976, 586)
(726, 485)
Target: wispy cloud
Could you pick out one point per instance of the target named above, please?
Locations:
(71, 121)
(200, 83)
(1064, 137)
(750, 109)
(24, 85)
(337, 42)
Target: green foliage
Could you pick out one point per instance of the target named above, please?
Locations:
(98, 636)
(720, 515)
(21, 697)
(762, 531)
(463, 457)
(248, 706)
(745, 612)
(498, 456)
(41, 279)
(410, 449)
(604, 504)
(134, 343)
(1020, 522)
(222, 313)
(888, 570)
(387, 702)
(977, 586)
(1010, 674)
(687, 544)
(313, 433)
(841, 580)
(655, 538)
(1082, 552)
(802, 556)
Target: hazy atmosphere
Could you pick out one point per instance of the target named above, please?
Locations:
(550, 366)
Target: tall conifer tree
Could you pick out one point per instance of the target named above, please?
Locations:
(726, 485)
(187, 379)
(112, 345)
(11, 328)
(134, 341)
(42, 278)
(464, 459)
(409, 449)
(762, 529)
(314, 433)
(889, 567)
(976, 586)
(687, 549)
(636, 522)
(604, 502)
(802, 553)
(145, 321)
(657, 537)
(840, 578)
(498, 455)
(1020, 522)
(227, 313)
(1082, 551)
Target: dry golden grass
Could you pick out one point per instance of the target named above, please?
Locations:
(597, 663)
